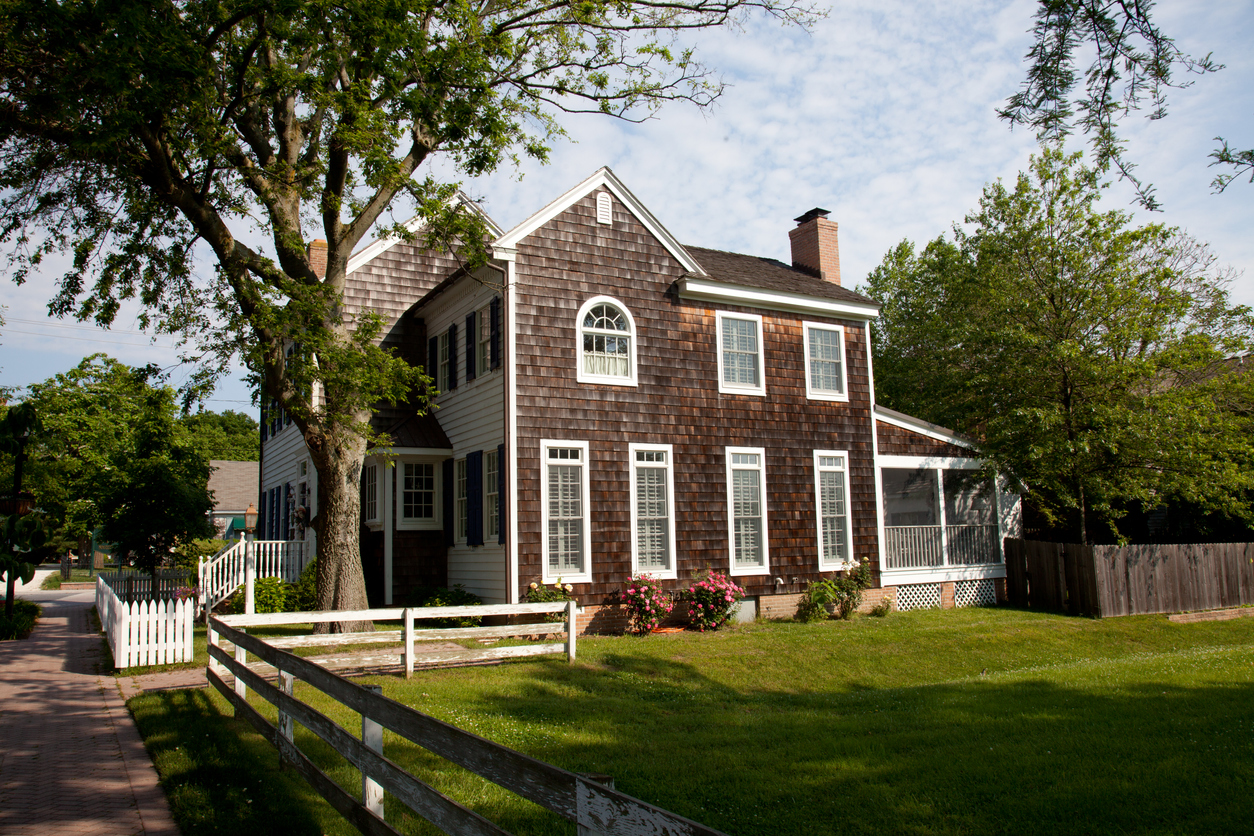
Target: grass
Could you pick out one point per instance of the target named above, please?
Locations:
(54, 581)
(967, 721)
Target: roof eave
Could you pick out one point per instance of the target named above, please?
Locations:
(707, 290)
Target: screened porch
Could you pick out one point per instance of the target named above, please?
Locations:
(939, 517)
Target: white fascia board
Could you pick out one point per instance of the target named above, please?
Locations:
(901, 577)
(708, 290)
(918, 425)
(601, 178)
(414, 225)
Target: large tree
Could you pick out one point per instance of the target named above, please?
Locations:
(1131, 65)
(132, 132)
(232, 436)
(1085, 354)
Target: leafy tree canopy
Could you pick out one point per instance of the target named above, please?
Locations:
(1132, 65)
(134, 132)
(1086, 355)
(232, 436)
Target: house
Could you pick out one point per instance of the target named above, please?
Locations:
(233, 486)
(613, 402)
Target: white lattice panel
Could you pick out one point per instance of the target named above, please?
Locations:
(919, 596)
(975, 593)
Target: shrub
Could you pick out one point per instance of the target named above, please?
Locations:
(712, 600)
(302, 596)
(646, 603)
(269, 595)
(883, 608)
(541, 594)
(25, 614)
(439, 596)
(187, 552)
(845, 589)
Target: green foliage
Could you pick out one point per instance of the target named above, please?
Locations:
(269, 595)
(302, 596)
(842, 592)
(188, 552)
(20, 536)
(21, 622)
(712, 599)
(1132, 65)
(230, 436)
(883, 608)
(544, 594)
(246, 130)
(440, 596)
(646, 603)
(1085, 355)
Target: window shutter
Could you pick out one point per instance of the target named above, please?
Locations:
(500, 493)
(452, 356)
(448, 502)
(495, 349)
(260, 533)
(273, 533)
(433, 360)
(474, 498)
(287, 508)
(472, 337)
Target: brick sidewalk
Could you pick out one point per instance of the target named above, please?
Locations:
(71, 759)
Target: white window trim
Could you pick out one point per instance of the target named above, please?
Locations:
(483, 348)
(732, 389)
(379, 468)
(491, 500)
(829, 566)
(585, 499)
(634, 341)
(436, 523)
(461, 504)
(817, 394)
(672, 573)
(765, 568)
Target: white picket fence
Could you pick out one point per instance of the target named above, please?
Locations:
(157, 632)
(240, 563)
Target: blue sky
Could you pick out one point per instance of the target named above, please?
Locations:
(883, 114)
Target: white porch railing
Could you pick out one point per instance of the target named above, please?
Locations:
(145, 632)
(928, 546)
(240, 563)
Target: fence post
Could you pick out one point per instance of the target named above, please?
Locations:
(409, 642)
(241, 656)
(572, 627)
(211, 637)
(372, 737)
(250, 574)
(286, 683)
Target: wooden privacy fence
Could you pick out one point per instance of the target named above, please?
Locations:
(152, 632)
(594, 807)
(1105, 581)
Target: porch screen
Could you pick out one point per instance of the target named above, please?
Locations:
(910, 497)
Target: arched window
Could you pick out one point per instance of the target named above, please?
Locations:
(606, 335)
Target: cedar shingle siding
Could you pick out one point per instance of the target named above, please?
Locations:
(677, 401)
(895, 441)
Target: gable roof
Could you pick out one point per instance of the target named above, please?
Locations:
(415, 225)
(234, 484)
(924, 428)
(601, 178)
(771, 274)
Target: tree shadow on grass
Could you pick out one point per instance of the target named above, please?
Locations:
(981, 756)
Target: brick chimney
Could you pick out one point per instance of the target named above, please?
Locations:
(814, 246)
(318, 256)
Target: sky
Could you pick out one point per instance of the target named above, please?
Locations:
(884, 114)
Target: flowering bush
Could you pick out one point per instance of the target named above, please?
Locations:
(646, 603)
(543, 593)
(712, 600)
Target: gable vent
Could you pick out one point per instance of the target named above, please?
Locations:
(603, 208)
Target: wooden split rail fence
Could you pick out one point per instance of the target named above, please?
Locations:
(595, 807)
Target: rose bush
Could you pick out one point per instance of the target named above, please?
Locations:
(712, 600)
(646, 603)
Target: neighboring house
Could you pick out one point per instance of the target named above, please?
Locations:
(613, 402)
(233, 486)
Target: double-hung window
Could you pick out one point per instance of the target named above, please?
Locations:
(564, 505)
(370, 493)
(446, 348)
(605, 334)
(461, 501)
(825, 362)
(491, 494)
(483, 358)
(418, 495)
(741, 369)
(831, 498)
(652, 510)
(746, 511)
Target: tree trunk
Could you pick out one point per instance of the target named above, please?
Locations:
(340, 577)
(8, 595)
(1084, 527)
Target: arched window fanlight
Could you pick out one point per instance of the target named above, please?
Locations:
(606, 343)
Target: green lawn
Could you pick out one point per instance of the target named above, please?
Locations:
(967, 721)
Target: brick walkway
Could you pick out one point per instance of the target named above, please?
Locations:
(71, 759)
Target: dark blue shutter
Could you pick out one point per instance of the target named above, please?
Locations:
(433, 360)
(452, 356)
(495, 351)
(474, 498)
(273, 533)
(472, 339)
(500, 494)
(287, 511)
(260, 533)
(448, 502)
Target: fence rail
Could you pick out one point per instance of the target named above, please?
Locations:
(157, 631)
(595, 808)
(136, 586)
(240, 563)
(1129, 580)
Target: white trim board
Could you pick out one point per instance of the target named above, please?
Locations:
(708, 290)
(921, 427)
(601, 178)
(902, 577)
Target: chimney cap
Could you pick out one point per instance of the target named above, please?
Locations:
(812, 214)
